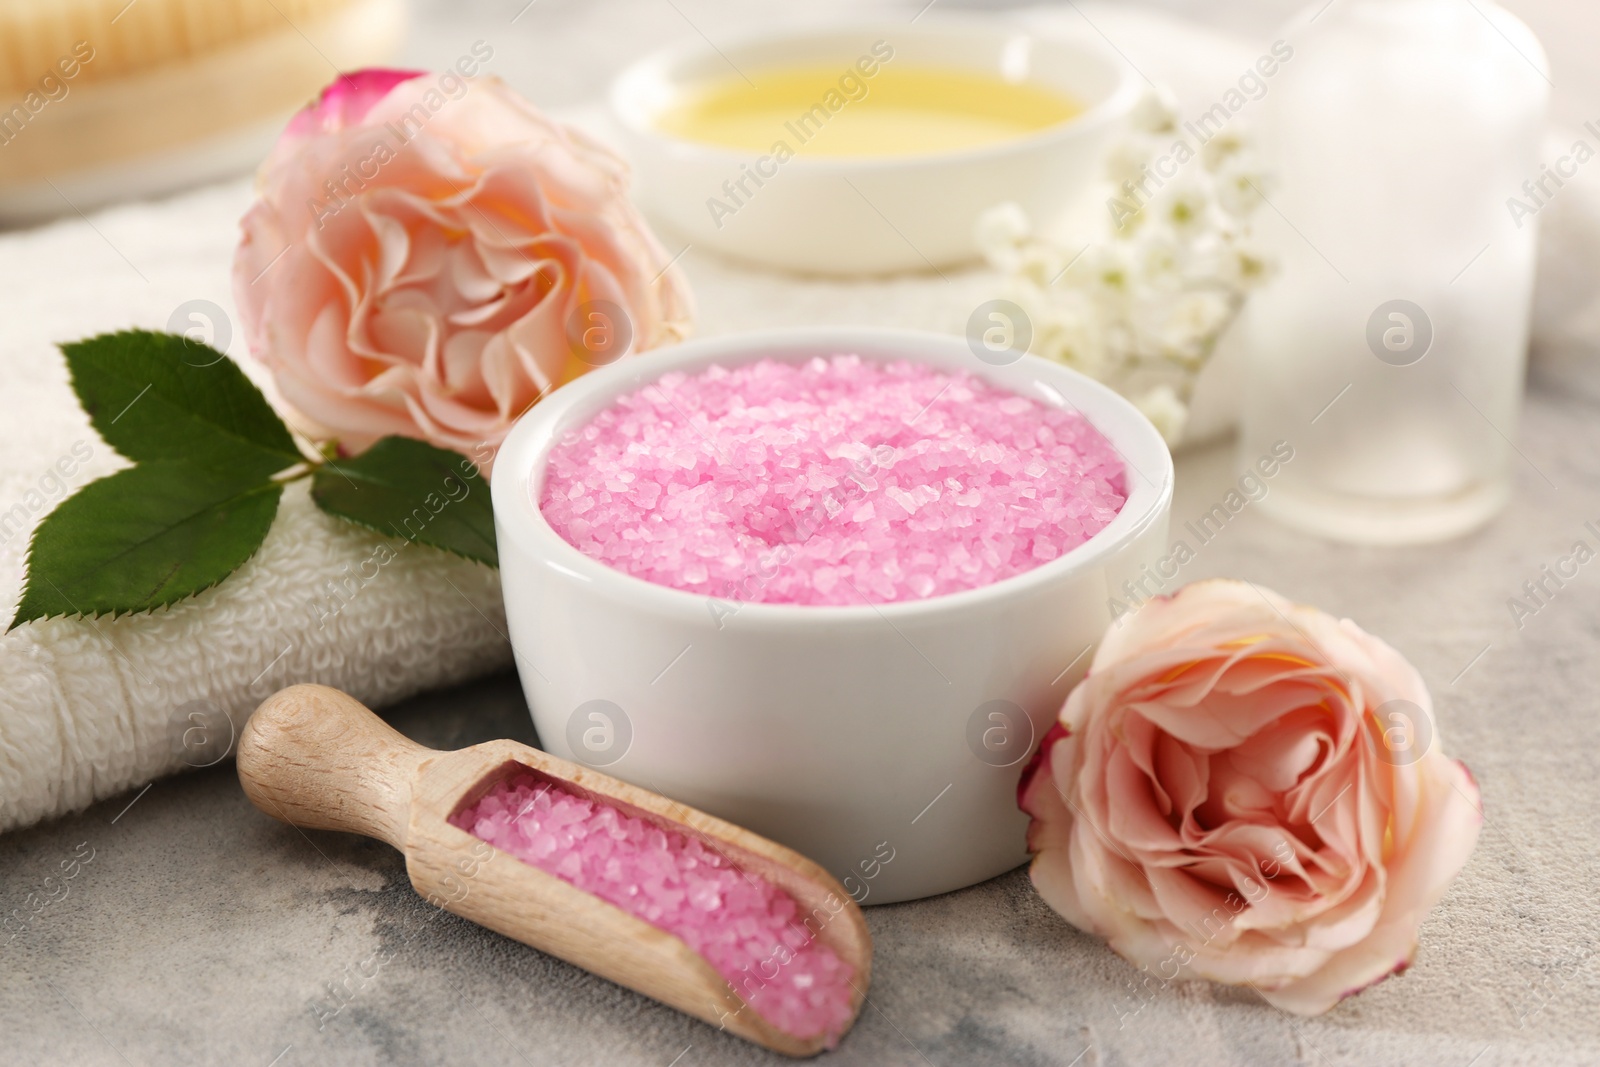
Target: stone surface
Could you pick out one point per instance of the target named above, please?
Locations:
(204, 932)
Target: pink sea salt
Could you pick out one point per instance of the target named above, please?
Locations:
(833, 481)
(748, 929)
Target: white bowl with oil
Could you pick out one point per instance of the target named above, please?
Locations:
(871, 148)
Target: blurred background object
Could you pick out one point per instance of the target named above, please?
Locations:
(1391, 348)
(110, 100)
(951, 116)
(534, 42)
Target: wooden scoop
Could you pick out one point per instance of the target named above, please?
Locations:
(319, 759)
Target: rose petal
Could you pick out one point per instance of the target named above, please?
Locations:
(1225, 799)
(416, 255)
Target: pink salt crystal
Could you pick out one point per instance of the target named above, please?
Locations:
(743, 925)
(834, 481)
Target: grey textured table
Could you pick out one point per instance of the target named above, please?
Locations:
(204, 932)
(199, 931)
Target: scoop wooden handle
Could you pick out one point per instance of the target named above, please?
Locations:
(319, 759)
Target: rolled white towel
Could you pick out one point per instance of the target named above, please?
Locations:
(89, 708)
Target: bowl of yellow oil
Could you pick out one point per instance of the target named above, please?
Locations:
(866, 149)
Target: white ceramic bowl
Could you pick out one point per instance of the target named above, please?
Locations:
(853, 734)
(869, 215)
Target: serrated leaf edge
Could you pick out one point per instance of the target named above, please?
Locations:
(418, 540)
(17, 620)
(289, 458)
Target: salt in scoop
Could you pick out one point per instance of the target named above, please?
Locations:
(318, 759)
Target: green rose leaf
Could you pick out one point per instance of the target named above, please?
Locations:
(159, 396)
(407, 488)
(145, 537)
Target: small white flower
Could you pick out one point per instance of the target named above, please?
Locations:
(1239, 188)
(1193, 325)
(1125, 163)
(1116, 268)
(1188, 208)
(1222, 147)
(1127, 216)
(1237, 264)
(1069, 333)
(1156, 111)
(1002, 228)
(1157, 258)
(1141, 307)
(1162, 407)
(1040, 263)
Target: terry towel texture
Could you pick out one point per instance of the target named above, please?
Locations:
(88, 709)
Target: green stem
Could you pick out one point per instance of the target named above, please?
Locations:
(325, 452)
(296, 473)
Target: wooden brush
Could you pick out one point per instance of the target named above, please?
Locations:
(319, 759)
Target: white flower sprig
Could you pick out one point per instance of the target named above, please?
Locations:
(1141, 306)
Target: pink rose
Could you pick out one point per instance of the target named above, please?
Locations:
(430, 255)
(1247, 790)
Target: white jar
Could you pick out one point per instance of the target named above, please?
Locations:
(1390, 351)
